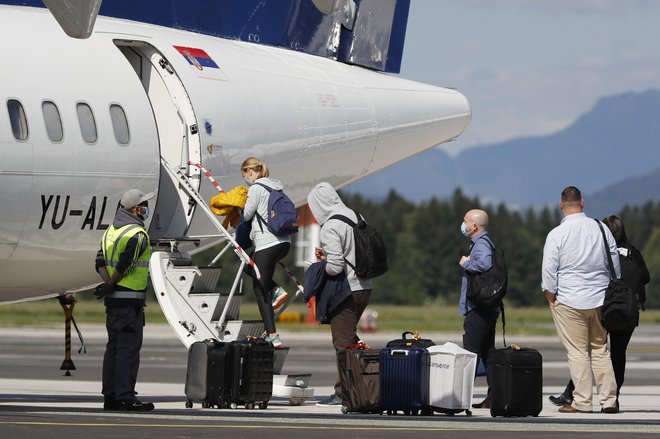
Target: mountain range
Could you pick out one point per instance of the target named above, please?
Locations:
(611, 153)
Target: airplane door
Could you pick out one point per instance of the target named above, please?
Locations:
(177, 133)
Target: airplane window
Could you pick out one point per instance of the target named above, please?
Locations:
(87, 122)
(18, 120)
(53, 121)
(119, 124)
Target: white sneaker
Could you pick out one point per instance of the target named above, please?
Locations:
(279, 297)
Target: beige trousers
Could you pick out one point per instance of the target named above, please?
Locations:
(585, 341)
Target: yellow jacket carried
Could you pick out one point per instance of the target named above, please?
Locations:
(229, 204)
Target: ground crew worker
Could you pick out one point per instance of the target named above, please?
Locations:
(122, 262)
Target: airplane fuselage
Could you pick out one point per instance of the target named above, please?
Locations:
(85, 120)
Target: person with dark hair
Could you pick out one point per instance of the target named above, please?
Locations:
(575, 275)
(635, 274)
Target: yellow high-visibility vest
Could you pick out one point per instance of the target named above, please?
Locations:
(114, 244)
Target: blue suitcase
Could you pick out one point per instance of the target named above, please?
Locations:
(404, 380)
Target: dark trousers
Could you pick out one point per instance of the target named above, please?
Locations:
(479, 337)
(343, 323)
(618, 345)
(266, 260)
(121, 360)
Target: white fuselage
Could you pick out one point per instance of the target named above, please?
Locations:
(310, 118)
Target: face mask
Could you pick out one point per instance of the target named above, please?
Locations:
(145, 214)
(248, 182)
(464, 230)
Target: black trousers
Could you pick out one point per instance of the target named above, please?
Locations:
(479, 337)
(266, 260)
(343, 324)
(121, 360)
(618, 345)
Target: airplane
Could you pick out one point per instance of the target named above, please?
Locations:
(100, 98)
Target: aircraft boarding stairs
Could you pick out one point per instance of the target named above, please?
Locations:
(197, 311)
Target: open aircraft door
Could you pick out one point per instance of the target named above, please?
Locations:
(177, 134)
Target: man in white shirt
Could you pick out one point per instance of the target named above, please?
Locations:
(575, 275)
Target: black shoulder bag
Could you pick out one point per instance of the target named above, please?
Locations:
(619, 304)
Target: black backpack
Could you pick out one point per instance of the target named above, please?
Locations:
(486, 290)
(370, 254)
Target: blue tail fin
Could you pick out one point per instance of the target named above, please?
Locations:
(368, 33)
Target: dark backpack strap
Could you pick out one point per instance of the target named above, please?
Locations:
(503, 323)
(260, 220)
(607, 250)
(350, 223)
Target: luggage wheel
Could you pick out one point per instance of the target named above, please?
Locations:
(344, 409)
(189, 404)
(249, 405)
(263, 405)
(206, 405)
(426, 411)
(233, 405)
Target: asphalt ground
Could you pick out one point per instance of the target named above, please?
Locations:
(37, 400)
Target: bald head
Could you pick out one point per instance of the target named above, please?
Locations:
(478, 217)
(476, 221)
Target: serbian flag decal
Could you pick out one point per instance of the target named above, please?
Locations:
(197, 57)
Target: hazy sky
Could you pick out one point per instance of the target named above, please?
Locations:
(531, 67)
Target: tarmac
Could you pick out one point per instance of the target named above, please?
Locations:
(72, 407)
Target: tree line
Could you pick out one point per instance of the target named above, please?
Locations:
(424, 246)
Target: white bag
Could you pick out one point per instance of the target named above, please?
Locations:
(451, 377)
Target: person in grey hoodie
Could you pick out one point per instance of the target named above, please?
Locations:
(268, 248)
(338, 248)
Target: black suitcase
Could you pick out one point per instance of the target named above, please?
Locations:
(415, 341)
(205, 377)
(359, 377)
(404, 380)
(517, 387)
(250, 378)
(228, 374)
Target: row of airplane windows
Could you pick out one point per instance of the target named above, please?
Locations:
(55, 129)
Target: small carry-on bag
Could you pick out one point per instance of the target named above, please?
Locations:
(414, 341)
(451, 378)
(517, 387)
(404, 380)
(205, 378)
(250, 373)
(359, 378)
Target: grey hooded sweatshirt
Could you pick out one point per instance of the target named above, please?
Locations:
(336, 236)
(257, 204)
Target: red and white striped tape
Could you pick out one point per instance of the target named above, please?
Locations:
(208, 175)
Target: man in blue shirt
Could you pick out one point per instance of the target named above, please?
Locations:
(479, 324)
(575, 275)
